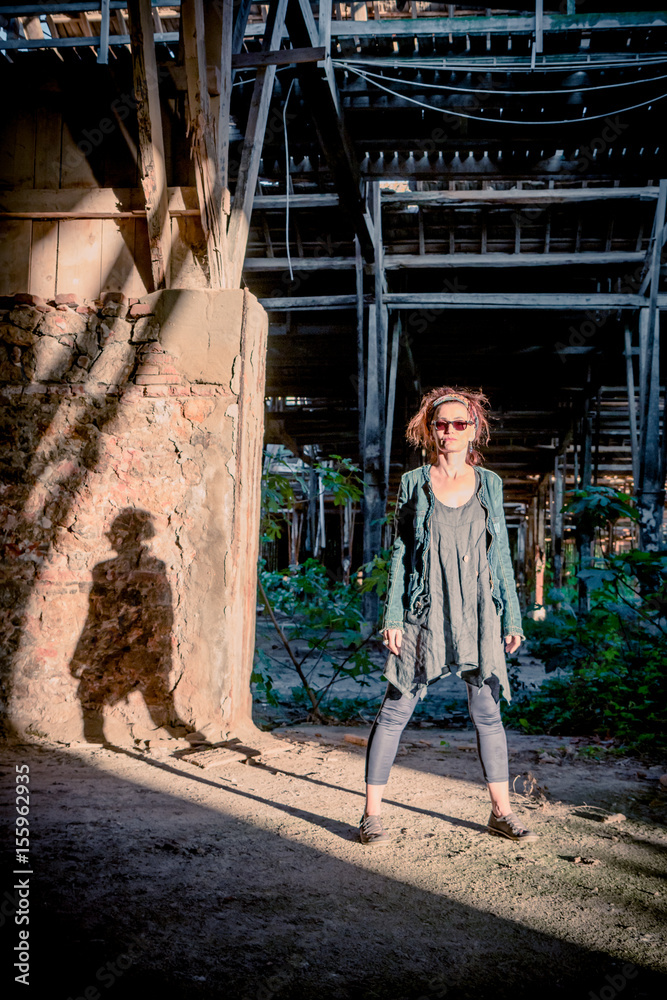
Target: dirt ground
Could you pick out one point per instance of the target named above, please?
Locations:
(156, 878)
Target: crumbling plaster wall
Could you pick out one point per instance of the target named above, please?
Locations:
(131, 459)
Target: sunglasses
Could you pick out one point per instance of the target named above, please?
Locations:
(458, 425)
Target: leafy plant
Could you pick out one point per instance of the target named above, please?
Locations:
(287, 490)
(595, 506)
(323, 632)
(613, 659)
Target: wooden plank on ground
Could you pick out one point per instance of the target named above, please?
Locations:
(215, 757)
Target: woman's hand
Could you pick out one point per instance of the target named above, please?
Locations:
(392, 639)
(512, 643)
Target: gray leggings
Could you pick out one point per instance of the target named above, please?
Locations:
(395, 713)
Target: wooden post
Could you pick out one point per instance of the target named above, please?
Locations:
(324, 25)
(540, 544)
(632, 407)
(391, 397)
(151, 143)
(361, 379)
(530, 553)
(521, 559)
(584, 536)
(240, 21)
(651, 498)
(557, 518)
(373, 473)
(103, 52)
(598, 407)
(380, 283)
(226, 76)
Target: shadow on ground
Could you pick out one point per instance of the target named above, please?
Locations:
(152, 881)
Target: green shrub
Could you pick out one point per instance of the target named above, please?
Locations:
(613, 659)
(323, 614)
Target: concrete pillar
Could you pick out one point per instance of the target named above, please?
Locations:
(131, 506)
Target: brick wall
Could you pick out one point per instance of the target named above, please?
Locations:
(129, 505)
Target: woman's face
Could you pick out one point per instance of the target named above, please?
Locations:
(451, 441)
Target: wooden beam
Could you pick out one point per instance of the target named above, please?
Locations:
(103, 51)
(558, 498)
(25, 201)
(496, 25)
(251, 153)
(585, 537)
(399, 261)
(324, 25)
(550, 196)
(203, 141)
(380, 283)
(287, 304)
(562, 302)
(309, 33)
(226, 78)
(651, 462)
(391, 396)
(281, 57)
(240, 24)
(539, 26)
(109, 203)
(361, 375)
(76, 41)
(513, 300)
(632, 405)
(151, 143)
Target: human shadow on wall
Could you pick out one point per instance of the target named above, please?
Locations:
(125, 644)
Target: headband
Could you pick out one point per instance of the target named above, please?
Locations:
(458, 399)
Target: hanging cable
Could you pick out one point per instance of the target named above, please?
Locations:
(495, 90)
(494, 64)
(503, 121)
(287, 181)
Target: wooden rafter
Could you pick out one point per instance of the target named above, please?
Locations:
(320, 94)
(251, 153)
(151, 144)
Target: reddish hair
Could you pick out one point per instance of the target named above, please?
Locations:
(419, 429)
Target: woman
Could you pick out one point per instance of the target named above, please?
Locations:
(451, 599)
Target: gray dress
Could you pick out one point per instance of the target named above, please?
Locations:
(462, 629)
